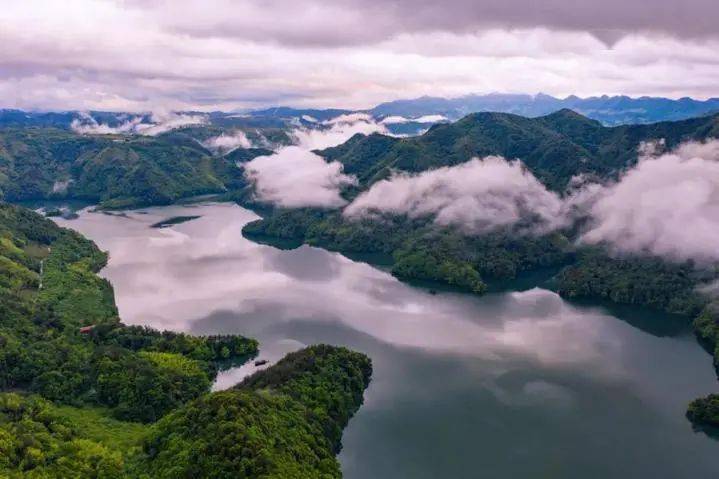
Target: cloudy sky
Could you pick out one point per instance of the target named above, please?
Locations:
(227, 54)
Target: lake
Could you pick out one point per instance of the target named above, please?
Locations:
(508, 385)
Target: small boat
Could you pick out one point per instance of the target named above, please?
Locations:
(261, 362)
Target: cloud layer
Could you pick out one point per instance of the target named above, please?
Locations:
(159, 123)
(667, 205)
(189, 55)
(477, 196)
(337, 130)
(227, 142)
(393, 120)
(295, 177)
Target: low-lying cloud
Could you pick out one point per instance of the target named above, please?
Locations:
(395, 120)
(158, 123)
(667, 205)
(477, 196)
(295, 177)
(87, 125)
(227, 142)
(337, 130)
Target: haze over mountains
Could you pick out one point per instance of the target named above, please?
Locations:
(610, 110)
(401, 117)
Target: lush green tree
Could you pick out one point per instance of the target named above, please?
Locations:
(283, 422)
(704, 411)
(36, 442)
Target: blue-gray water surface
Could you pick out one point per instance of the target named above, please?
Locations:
(508, 385)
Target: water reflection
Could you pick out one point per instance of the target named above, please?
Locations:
(508, 385)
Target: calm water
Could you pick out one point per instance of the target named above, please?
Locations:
(509, 385)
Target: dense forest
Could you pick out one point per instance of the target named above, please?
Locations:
(118, 171)
(83, 392)
(114, 171)
(554, 148)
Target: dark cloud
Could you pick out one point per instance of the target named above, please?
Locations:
(352, 22)
(136, 55)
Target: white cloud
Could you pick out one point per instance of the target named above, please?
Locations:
(87, 125)
(164, 122)
(393, 120)
(477, 196)
(337, 130)
(430, 119)
(666, 205)
(138, 56)
(160, 123)
(295, 177)
(228, 142)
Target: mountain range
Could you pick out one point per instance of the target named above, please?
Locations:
(410, 116)
(609, 110)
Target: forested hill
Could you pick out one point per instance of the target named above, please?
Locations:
(81, 393)
(113, 170)
(554, 147)
(119, 171)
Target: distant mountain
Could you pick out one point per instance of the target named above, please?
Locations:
(10, 117)
(307, 114)
(609, 110)
(406, 117)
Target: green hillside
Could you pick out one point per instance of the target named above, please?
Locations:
(114, 171)
(554, 147)
(79, 390)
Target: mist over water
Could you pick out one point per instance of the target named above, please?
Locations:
(519, 384)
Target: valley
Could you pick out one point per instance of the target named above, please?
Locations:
(456, 376)
(225, 275)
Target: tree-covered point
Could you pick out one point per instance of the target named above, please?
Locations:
(705, 411)
(282, 422)
(420, 249)
(639, 280)
(61, 337)
(327, 380)
(61, 341)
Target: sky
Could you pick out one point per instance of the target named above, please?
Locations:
(150, 55)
